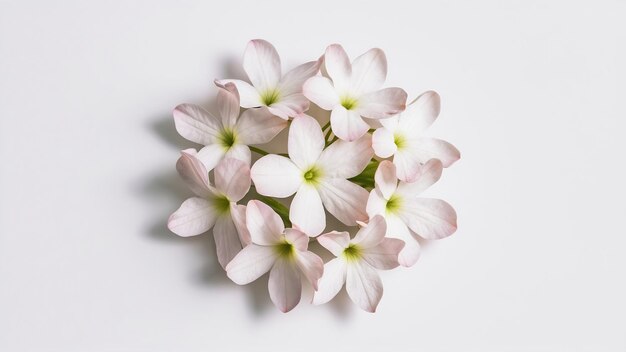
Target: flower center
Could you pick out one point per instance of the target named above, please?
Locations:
(227, 138)
(393, 204)
(348, 102)
(270, 97)
(221, 204)
(312, 176)
(352, 252)
(399, 140)
(285, 250)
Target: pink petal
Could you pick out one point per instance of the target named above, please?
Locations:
(321, 91)
(407, 164)
(344, 200)
(238, 213)
(432, 148)
(420, 113)
(290, 106)
(211, 155)
(293, 80)
(383, 143)
(427, 175)
(296, 237)
(347, 124)
(194, 173)
(331, 282)
(258, 126)
(307, 212)
(385, 178)
(384, 256)
(396, 228)
(250, 263)
(364, 286)
(372, 234)
(284, 285)
(338, 66)
(196, 124)
(262, 64)
(228, 104)
(227, 243)
(306, 141)
(264, 225)
(311, 266)
(369, 71)
(232, 178)
(276, 176)
(249, 96)
(376, 203)
(195, 216)
(239, 152)
(335, 241)
(429, 218)
(382, 103)
(346, 159)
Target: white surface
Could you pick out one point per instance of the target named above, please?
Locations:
(532, 96)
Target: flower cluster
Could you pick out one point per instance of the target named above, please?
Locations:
(366, 167)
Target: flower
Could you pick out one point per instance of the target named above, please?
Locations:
(407, 215)
(318, 177)
(229, 135)
(401, 136)
(282, 95)
(354, 91)
(214, 207)
(356, 264)
(282, 252)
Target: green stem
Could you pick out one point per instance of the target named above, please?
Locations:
(326, 126)
(278, 207)
(258, 150)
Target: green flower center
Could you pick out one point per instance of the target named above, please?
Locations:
(352, 252)
(348, 103)
(400, 141)
(227, 138)
(312, 176)
(285, 250)
(393, 204)
(221, 204)
(270, 97)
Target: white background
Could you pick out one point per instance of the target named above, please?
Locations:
(532, 94)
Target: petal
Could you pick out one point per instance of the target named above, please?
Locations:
(284, 285)
(249, 97)
(364, 286)
(431, 148)
(347, 124)
(385, 255)
(311, 266)
(211, 155)
(307, 212)
(293, 80)
(250, 263)
(396, 228)
(335, 241)
(262, 64)
(338, 66)
(264, 225)
(407, 165)
(376, 203)
(232, 178)
(346, 159)
(228, 104)
(193, 173)
(372, 234)
(331, 282)
(195, 216)
(321, 91)
(239, 152)
(290, 106)
(196, 124)
(427, 175)
(227, 243)
(383, 143)
(429, 218)
(345, 200)
(369, 71)
(390, 123)
(306, 141)
(276, 176)
(258, 126)
(382, 103)
(385, 179)
(238, 213)
(297, 238)
(420, 113)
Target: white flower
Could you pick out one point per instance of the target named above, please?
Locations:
(214, 207)
(354, 91)
(282, 95)
(406, 214)
(356, 264)
(282, 252)
(316, 176)
(229, 135)
(402, 137)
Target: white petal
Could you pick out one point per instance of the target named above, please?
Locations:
(211, 155)
(307, 212)
(228, 104)
(429, 218)
(239, 152)
(407, 164)
(335, 241)
(390, 123)
(227, 243)
(431, 148)
(369, 71)
(364, 286)
(311, 266)
(372, 234)
(345, 200)
(284, 285)
(195, 216)
(232, 178)
(262, 64)
(331, 282)
(194, 173)
(383, 143)
(306, 141)
(347, 124)
(384, 256)
(383, 103)
(427, 175)
(250, 263)
(385, 178)
(396, 228)
(298, 238)
(420, 113)
(238, 213)
(338, 66)
(293, 80)
(264, 225)
(376, 203)
(258, 126)
(276, 176)
(321, 91)
(248, 95)
(290, 106)
(346, 159)
(196, 124)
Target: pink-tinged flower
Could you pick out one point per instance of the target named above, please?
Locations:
(282, 252)
(318, 177)
(214, 207)
(406, 214)
(229, 135)
(282, 95)
(402, 137)
(356, 264)
(354, 92)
